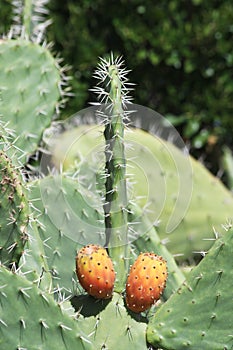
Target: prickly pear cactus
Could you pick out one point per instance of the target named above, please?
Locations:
(227, 165)
(30, 19)
(45, 222)
(186, 211)
(7, 143)
(199, 314)
(60, 249)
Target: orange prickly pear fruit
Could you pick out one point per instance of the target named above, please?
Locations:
(95, 271)
(146, 281)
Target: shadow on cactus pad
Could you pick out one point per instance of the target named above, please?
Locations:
(88, 306)
(110, 326)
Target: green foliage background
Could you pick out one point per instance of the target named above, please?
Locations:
(180, 53)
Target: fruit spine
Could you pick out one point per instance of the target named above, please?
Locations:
(95, 271)
(114, 114)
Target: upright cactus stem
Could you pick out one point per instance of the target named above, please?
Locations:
(30, 19)
(115, 207)
(27, 14)
(116, 196)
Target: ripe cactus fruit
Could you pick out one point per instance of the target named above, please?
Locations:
(95, 271)
(146, 281)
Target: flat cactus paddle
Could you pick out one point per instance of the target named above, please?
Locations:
(199, 315)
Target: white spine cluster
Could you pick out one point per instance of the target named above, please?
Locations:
(104, 79)
(39, 22)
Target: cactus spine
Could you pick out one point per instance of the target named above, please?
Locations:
(111, 73)
(29, 19)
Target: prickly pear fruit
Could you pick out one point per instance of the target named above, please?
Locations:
(146, 281)
(95, 271)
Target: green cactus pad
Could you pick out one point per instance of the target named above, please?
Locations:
(30, 318)
(112, 327)
(29, 90)
(14, 212)
(199, 315)
(68, 218)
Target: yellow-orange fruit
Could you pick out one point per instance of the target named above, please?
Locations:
(146, 281)
(95, 271)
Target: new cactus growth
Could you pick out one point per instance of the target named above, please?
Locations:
(111, 74)
(146, 282)
(95, 271)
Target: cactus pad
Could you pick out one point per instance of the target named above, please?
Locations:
(30, 318)
(68, 218)
(29, 90)
(199, 315)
